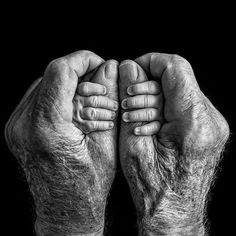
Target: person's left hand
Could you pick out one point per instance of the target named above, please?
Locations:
(63, 133)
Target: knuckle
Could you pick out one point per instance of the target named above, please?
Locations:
(106, 102)
(131, 102)
(179, 61)
(85, 52)
(90, 113)
(90, 126)
(146, 100)
(84, 87)
(94, 101)
(93, 125)
(135, 115)
(149, 115)
(57, 65)
(150, 85)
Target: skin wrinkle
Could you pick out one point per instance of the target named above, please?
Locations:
(37, 171)
(194, 196)
(171, 173)
(69, 174)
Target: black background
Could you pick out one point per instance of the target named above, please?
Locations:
(31, 39)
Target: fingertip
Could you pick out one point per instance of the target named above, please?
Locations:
(104, 90)
(111, 125)
(125, 117)
(130, 90)
(115, 106)
(124, 104)
(137, 131)
(113, 116)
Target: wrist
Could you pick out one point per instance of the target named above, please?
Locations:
(170, 228)
(67, 229)
(172, 218)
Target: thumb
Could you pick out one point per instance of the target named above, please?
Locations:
(180, 88)
(59, 83)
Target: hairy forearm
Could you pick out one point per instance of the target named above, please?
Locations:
(171, 217)
(64, 182)
(67, 198)
(170, 190)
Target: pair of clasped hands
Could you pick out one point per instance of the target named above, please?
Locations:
(66, 133)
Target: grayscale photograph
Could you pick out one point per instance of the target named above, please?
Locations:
(118, 130)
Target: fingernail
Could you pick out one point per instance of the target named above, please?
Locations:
(130, 69)
(104, 90)
(111, 124)
(137, 131)
(115, 106)
(125, 117)
(124, 104)
(113, 116)
(130, 90)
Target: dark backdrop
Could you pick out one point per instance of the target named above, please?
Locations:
(31, 43)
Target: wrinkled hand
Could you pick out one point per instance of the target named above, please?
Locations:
(62, 134)
(169, 173)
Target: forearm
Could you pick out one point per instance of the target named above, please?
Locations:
(172, 219)
(67, 198)
(47, 230)
(176, 203)
(172, 214)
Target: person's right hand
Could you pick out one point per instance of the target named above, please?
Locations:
(169, 166)
(64, 136)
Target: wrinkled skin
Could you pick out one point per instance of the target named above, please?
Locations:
(68, 151)
(170, 173)
(69, 169)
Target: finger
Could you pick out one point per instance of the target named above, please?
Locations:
(142, 101)
(147, 114)
(99, 102)
(130, 73)
(107, 75)
(154, 63)
(83, 61)
(90, 113)
(148, 129)
(148, 87)
(88, 89)
(62, 74)
(90, 126)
